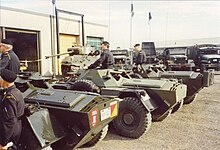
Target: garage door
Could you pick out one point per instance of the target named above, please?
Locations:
(67, 41)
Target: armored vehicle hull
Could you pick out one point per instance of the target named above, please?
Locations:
(195, 81)
(164, 94)
(65, 119)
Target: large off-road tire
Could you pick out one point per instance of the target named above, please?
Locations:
(100, 136)
(136, 76)
(178, 106)
(84, 85)
(190, 100)
(133, 119)
(155, 118)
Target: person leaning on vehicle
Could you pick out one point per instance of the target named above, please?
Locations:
(8, 60)
(106, 60)
(140, 55)
(11, 109)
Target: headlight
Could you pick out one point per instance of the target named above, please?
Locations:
(209, 61)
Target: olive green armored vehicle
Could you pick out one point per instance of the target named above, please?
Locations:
(64, 119)
(195, 81)
(140, 98)
(136, 107)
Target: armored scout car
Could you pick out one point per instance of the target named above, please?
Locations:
(140, 98)
(64, 119)
(195, 81)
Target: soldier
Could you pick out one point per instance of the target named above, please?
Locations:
(8, 60)
(141, 56)
(106, 59)
(11, 110)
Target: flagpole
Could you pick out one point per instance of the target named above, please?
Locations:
(131, 23)
(109, 18)
(149, 31)
(131, 32)
(149, 18)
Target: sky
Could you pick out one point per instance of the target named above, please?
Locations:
(171, 20)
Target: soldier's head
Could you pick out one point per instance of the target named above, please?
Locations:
(137, 47)
(105, 45)
(7, 78)
(6, 45)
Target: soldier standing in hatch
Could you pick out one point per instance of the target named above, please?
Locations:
(140, 55)
(106, 60)
(8, 60)
(11, 110)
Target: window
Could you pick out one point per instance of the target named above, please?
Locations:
(94, 42)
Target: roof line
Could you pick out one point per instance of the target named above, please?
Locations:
(45, 15)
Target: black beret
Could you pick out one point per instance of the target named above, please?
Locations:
(7, 41)
(137, 45)
(8, 75)
(105, 42)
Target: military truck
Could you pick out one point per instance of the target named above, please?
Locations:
(175, 58)
(123, 58)
(205, 56)
(64, 119)
(151, 55)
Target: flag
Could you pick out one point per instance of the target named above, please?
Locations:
(150, 17)
(132, 10)
(54, 1)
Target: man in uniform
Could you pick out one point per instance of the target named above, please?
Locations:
(8, 60)
(11, 110)
(140, 55)
(106, 60)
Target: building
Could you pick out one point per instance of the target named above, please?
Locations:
(35, 37)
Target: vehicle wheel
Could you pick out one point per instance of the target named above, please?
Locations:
(190, 100)
(84, 85)
(178, 106)
(136, 76)
(133, 119)
(100, 136)
(156, 118)
(65, 69)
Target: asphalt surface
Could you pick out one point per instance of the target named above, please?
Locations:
(195, 126)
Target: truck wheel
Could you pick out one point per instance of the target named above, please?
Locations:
(133, 119)
(136, 76)
(156, 118)
(190, 100)
(84, 85)
(100, 136)
(178, 106)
